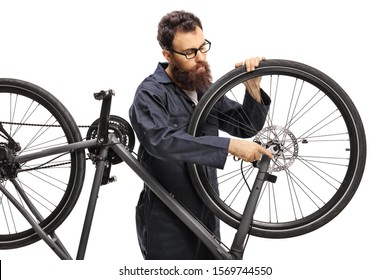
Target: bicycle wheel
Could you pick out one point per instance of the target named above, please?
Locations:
(36, 120)
(321, 150)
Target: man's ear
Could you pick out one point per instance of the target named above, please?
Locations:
(168, 55)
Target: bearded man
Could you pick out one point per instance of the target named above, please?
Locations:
(160, 115)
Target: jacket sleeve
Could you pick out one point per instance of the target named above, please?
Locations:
(245, 120)
(169, 140)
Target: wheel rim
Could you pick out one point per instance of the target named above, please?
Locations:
(49, 182)
(317, 165)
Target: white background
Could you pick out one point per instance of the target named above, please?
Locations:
(74, 48)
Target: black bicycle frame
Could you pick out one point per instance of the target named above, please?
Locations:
(105, 141)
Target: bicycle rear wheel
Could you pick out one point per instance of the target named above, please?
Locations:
(36, 120)
(321, 158)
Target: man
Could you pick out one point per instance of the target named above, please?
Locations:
(160, 114)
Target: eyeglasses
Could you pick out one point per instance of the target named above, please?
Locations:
(191, 53)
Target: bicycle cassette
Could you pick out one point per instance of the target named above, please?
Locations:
(122, 131)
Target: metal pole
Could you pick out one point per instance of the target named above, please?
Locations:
(38, 215)
(170, 201)
(92, 203)
(45, 237)
(238, 248)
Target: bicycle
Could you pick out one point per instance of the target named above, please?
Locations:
(312, 127)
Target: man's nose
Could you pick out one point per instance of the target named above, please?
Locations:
(200, 56)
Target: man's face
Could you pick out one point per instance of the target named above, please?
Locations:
(191, 74)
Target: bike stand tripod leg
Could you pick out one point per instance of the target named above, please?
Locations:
(100, 165)
(54, 242)
(38, 216)
(52, 239)
(238, 245)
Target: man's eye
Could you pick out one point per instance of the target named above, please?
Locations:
(190, 53)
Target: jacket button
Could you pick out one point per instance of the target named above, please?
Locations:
(175, 125)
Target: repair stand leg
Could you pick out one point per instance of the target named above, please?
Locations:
(45, 237)
(238, 247)
(37, 215)
(92, 203)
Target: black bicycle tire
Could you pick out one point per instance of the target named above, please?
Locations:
(76, 178)
(355, 128)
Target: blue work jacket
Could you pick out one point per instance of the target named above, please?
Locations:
(160, 115)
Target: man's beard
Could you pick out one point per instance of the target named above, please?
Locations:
(195, 79)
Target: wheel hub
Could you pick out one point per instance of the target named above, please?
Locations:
(285, 145)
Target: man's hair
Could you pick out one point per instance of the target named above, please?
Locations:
(173, 22)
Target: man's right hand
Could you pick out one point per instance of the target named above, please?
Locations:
(247, 150)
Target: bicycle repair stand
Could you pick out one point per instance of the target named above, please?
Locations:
(109, 141)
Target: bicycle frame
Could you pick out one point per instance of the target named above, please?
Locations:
(106, 141)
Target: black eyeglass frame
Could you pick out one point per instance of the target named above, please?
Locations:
(194, 50)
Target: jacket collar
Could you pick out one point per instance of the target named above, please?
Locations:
(160, 75)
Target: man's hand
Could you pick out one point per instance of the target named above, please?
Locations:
(250, 63)
(247, 150)
(253, 85)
